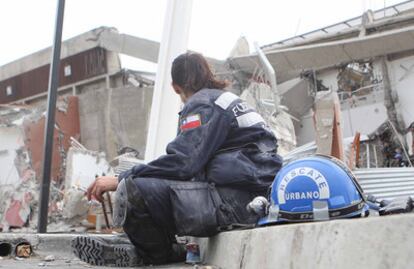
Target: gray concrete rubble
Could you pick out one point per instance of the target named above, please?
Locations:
(260, 97)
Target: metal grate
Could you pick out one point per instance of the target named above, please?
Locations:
(387, 183)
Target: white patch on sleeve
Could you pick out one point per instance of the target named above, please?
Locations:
(192, 118)
(249, 119)
(226, 99)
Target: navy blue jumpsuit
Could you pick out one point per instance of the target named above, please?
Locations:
(223, 156)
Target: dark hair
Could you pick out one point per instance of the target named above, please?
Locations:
(191, 72)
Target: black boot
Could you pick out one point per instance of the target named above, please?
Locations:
(111, 251)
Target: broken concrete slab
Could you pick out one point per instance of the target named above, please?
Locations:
(374, 242)
(82, 166)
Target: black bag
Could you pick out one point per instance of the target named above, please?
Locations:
(198, 209)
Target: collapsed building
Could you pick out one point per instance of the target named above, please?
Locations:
(368, 62)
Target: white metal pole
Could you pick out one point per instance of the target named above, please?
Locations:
(165, 103)
(271, 76)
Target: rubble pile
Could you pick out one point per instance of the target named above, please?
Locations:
(21, 129)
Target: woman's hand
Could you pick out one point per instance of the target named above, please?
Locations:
(100, 186)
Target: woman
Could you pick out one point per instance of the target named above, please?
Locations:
(223, 156)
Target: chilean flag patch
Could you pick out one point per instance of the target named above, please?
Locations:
(191, 122)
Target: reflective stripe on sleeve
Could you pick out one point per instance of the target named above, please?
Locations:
(226, 99)
(249, 119)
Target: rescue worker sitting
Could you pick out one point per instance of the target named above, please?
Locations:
(224, 155)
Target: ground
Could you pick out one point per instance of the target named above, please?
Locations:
(37, 262)
(57, 246)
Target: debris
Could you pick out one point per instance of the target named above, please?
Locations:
(76, 204)
(259, 96)
(124, 162)
(23, 250)
(76, 144)
(357, 78)
(49, 258)
(42, 264)
(21, 133)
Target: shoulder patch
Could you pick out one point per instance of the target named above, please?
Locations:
(190, 122)
(225, 100)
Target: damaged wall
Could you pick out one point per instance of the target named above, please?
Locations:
(365, 105)
(401, 72)
(364, 119)
(67, 125)
(114, 118)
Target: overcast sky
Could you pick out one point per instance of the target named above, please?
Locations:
(27, 26)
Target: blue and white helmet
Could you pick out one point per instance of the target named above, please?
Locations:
(314, 188)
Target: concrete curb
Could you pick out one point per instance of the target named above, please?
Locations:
(375, 242)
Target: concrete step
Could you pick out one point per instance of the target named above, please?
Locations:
(373, 242)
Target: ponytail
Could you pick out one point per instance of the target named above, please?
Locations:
(191, 72)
